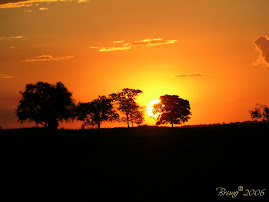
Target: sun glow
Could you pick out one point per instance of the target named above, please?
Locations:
(150, 107)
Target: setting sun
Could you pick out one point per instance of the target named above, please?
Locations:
(150, 107)
(140, 99)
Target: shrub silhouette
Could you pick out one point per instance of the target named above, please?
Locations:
(172, 109)
(46, 104)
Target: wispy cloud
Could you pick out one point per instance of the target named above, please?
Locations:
(24, 3)
(5, 76)
(118, 41)
(10, 37)
(262, 46)
(42, 58)
(197, 74)
(43, 9)
(122, 45)
(83, 1)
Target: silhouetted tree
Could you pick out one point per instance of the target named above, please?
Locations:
(126, 102)
(172, 109)
(95, 112)
(46, 104)
(260, 112)
(136, 115)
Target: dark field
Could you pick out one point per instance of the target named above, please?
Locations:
(136, 164)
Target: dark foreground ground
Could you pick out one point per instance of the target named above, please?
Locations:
(137, 164)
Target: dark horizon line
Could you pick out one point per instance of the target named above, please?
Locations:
(163, 126)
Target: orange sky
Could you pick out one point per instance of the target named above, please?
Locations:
(203, 51)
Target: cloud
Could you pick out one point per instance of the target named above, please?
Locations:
(197, 74)
(5, 76)
(10, 37)
(42, 58)
(114, 49)
(43, 9)
(262, 46)
(24, 3)
(118, 41)
(122, 45)
(83, 1)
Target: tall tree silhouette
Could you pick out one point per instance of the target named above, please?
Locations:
(172, 109)
(260, 112)
(126, 102)
(95, 112)
(136, 115)
(46, 104)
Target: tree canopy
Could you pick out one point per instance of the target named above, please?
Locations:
(46, 104)
(127, 104)
(95, 112)
(260, 112)
(137, 116)
(172, 109)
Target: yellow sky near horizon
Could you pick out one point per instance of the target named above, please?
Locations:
(203, 51)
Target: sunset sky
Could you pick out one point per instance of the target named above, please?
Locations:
(213, 53)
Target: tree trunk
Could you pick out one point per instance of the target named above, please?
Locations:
(53, 124)
(172, 125)
(127, 116)
(99, 125)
